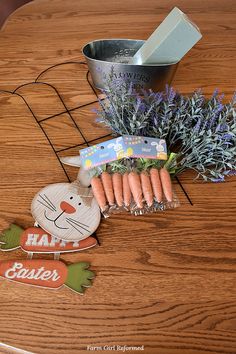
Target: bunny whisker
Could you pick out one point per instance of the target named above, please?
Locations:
(49, 201)
(46, 205)
(76, 221)
(74, 227)
(77, 224)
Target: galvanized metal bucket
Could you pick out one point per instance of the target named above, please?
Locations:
(112, 55)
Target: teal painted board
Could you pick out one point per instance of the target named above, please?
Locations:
(175, 36)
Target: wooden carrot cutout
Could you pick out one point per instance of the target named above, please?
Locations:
(108, 187)
(156, 184)
(36, 240)
(98, 192)
(166, 184)
(118, 188)
(146, 188)
(136, 189)
(126, 189)
(48, 273)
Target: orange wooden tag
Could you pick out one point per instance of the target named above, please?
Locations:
(37, 240)
(48, 273)
(45, 273)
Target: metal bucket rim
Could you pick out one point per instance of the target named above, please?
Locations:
(125, 64)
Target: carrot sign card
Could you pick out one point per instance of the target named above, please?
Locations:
(66, 215)
(51, 274)
(36, 240)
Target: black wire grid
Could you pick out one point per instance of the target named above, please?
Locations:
(37, 81)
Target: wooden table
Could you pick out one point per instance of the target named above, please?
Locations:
(164, 281)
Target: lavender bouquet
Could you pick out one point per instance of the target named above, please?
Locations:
(200, 132)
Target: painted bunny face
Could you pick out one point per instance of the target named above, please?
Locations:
(67, 211)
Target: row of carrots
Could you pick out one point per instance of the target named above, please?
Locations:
(119, 189)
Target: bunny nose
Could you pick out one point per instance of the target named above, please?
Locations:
(67, 208)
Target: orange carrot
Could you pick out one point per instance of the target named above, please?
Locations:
(146, 188)
(108, 187)
(117, 187)
(98, 192)
(136, 189)
(156, 184)
(126, 190)
(166, 184)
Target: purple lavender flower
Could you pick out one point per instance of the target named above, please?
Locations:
(170, 93)
(227, 136)
(99, 120)
(198, 125)
(142, 107)
(218, 180)
(215, 115)
(201, 101)
(221, 127)
(111, 110)
(215, 93)
(187, 122)
(219, 108)
(158, 98)
(155, 120)
(220, 98)
(230, 173)
(139, 101)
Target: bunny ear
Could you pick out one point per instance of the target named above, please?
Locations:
(71, 161)
(84, 177)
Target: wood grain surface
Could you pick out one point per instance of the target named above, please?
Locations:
(165, 281)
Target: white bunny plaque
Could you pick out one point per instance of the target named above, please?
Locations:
(67, 211)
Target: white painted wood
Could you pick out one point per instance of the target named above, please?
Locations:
(71, 160)
(84, 176)
(66, 210)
